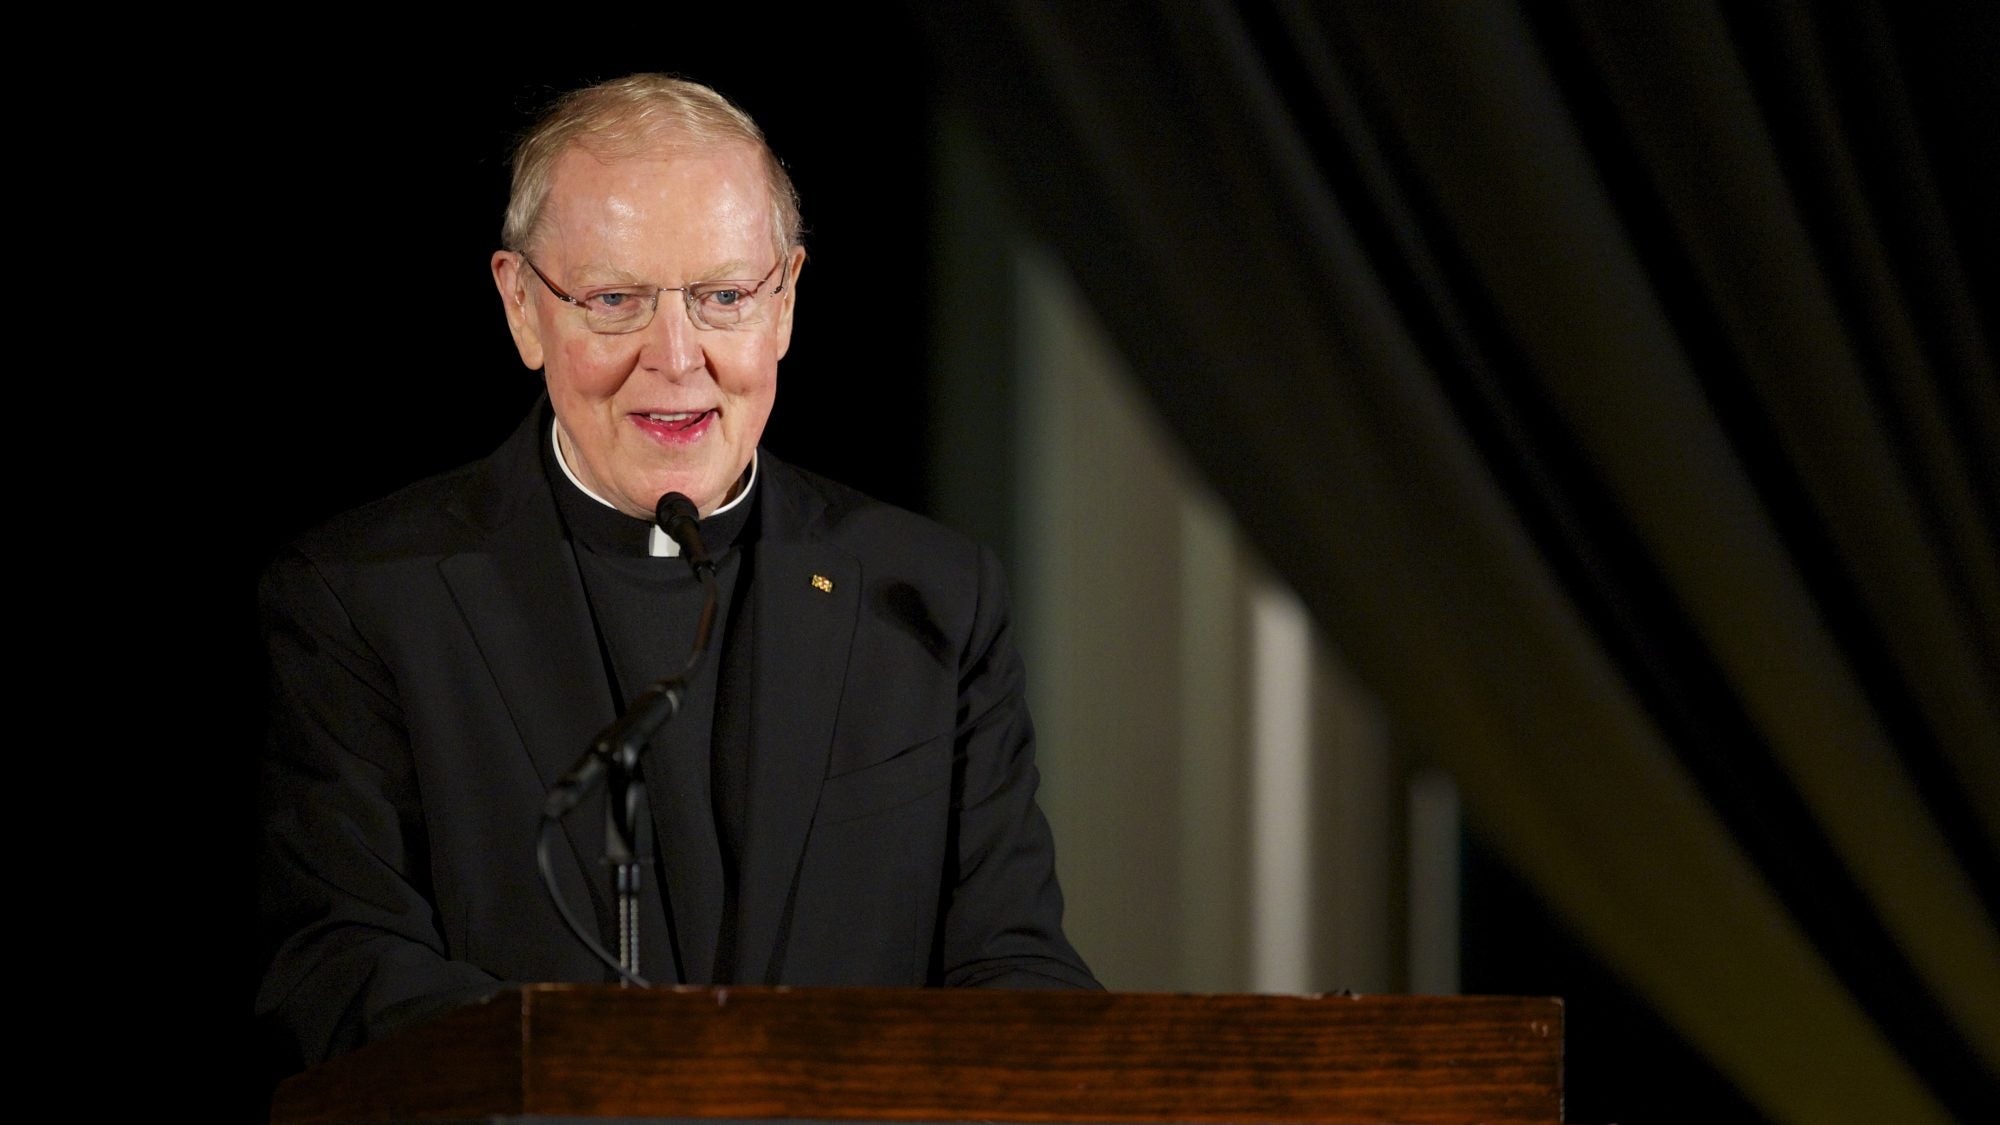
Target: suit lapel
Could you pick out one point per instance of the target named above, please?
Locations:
(523, 602)
(808, 598)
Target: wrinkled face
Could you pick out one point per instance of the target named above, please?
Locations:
(674, 407)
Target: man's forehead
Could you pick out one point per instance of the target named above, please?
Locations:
(667, 162)
(711, 201)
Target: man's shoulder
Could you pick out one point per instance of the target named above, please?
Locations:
(872, 529)
(917, 575)
(449, 512)
(427, 517)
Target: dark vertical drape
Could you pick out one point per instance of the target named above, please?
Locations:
(1616, 384)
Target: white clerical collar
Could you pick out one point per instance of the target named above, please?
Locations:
(658, 543)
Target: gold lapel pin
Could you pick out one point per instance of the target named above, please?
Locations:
(822, 583)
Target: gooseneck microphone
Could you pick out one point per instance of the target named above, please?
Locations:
(614, 755)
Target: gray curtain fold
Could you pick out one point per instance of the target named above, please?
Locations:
(1614, 383)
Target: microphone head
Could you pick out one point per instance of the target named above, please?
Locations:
(674, 507)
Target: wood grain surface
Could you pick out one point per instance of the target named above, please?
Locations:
(954, 1055)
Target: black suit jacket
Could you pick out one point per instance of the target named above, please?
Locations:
(435, 670)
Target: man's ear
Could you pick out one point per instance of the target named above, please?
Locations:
(792, 270)
(510, 277)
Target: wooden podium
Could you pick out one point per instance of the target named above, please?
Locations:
(552, 1053)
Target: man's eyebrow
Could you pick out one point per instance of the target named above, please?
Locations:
(735, 269)
(597, 275)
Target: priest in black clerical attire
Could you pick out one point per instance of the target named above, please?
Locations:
(847, 794)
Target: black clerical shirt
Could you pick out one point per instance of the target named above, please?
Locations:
(645, 610)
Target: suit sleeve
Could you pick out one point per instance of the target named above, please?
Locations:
(1003, 921)
(344, 897)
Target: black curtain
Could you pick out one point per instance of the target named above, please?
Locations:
(1616, 384)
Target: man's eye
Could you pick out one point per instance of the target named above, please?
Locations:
(612, 301)
(722, 298)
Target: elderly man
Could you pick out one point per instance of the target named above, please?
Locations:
(847, 795)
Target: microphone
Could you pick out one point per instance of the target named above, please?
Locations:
(618, 744)
(677, 516)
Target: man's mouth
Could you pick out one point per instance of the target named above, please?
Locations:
(676, 427)
(680, 420)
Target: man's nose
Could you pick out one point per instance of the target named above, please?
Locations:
(672, 342)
